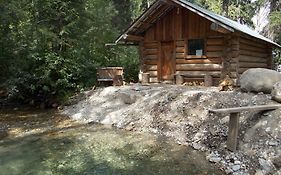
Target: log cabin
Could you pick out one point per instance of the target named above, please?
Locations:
(176, 37)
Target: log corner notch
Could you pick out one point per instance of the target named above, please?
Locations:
(218, 28)
(226, 57)
(132, 37)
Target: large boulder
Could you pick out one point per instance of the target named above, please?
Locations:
(276, 92)
(259, 80)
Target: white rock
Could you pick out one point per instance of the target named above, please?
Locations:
(228, 171)
(236, 162)
(236, 167)
(196, 146)
(265, 165)
(259, 80)
(272, 143)
(276, 92)
(259, 172)
(215, 159)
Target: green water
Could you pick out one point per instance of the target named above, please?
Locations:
(98, 150)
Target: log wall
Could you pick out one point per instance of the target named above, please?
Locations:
(150, 59)
(253, 54)
(225, 53)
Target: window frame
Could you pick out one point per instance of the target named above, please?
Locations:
(195, 56)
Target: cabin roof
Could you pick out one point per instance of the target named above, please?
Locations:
(161, 7)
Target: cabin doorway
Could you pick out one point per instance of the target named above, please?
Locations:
(167, 61)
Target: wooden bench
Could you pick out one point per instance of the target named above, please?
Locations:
(207, 78)
(233, 126)
(110, 74)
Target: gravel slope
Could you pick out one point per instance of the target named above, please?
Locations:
(181, 112)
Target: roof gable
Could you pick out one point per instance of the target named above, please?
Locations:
(161, 7)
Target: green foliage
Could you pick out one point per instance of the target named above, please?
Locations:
(238, 10)
(50, 48)
(275, 27)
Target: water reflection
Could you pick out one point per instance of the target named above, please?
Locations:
(97, 150)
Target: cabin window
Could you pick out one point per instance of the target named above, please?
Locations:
(195, 47)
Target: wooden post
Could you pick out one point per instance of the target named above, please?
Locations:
(233, 131)
(117, 80)
(145, 78)
(226, 56)
(141, 58)
(179, 79)
(208, 80)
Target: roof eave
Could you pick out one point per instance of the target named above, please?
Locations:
(147, 11)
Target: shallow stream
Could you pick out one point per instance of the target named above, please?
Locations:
(90, 149)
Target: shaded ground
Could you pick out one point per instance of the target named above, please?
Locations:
(44, 142)
(181, 113)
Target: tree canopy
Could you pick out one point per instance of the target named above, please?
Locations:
(49, 48)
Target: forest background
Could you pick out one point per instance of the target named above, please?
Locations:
(52, 48)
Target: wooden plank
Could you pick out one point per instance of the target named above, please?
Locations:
(214, 48)
(218, 41)
(180, 55)
(199, 73)
(178, 22)
(150, 62)
(244, 58)
(215, 74)
(214, 54)
(252, 48)
(150, 45)
(270, 58)
(235, 47)
(233, 129)
(242, 70)
(150, 57)
(252, 65)
(251, 53)
(151, 67)
(153, 80)
(205, 67)
(247, 108)
(193, 79)
(159, 65)
(152, 73)
(251, 42)
(198, 61)
(180, 49)
(151, 51)
(105, 79)
(180, 43)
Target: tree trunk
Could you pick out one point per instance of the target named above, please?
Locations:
(225, 5)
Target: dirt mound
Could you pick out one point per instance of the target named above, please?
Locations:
(182, 113)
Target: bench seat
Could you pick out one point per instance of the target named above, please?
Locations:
(233, 127)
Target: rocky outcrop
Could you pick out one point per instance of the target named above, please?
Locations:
(259, 80)
(276, 92)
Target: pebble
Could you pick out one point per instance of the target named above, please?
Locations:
(215, 159)
(236, 162)
(236, 167)
(265, 165)
(259, 172)
(273, 143)
(228, 171)
(196, 146)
